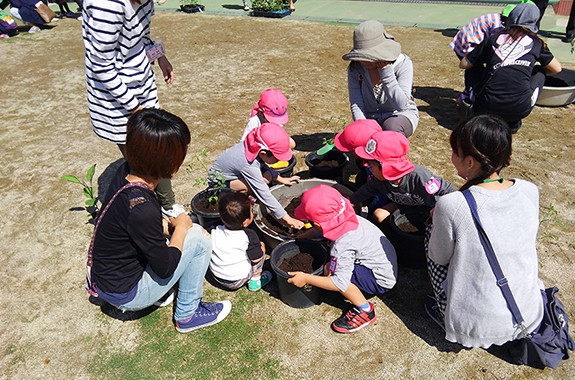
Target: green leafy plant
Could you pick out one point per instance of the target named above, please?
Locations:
(87, 188)
(184, 3)
(334, 123)
(215, 178)
(268, 5)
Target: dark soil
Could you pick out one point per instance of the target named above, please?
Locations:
(206, 206)
(277, 226)
(328, 164)
(301, 262)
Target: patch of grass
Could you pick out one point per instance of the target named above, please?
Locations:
(232, 349)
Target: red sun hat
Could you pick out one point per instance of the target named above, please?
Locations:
(325, 206)
(268, 136)
(390, 149)
(356, 134)
(273, 104)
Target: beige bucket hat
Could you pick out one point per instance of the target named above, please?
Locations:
(372, 43)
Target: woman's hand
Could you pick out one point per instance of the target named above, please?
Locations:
(167, 69)
(287, 181)
(298, 279)
(182, 221)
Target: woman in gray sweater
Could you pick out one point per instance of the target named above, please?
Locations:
(380, 80)
(468, 303)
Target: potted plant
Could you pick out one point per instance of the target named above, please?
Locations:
(205, 203)
(191, 6)
(328, 162)
(270, 8)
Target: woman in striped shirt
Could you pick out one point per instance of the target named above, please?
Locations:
(119, 75)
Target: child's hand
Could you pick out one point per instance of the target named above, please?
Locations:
(298, 279)
(287, 181)
(293, 222)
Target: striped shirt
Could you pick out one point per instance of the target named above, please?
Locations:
(118, 73)
(473, 33)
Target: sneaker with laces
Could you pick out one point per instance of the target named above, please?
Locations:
(207, 314)
(176, 210)
(166, 300)
(432, 309)
(256, 283)
(355, 319)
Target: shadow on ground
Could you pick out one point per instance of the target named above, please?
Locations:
(444, 110)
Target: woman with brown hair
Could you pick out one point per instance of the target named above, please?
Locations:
(132, 266)
(511, 82)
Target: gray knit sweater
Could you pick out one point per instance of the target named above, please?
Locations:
(476, 313)
(396, 99)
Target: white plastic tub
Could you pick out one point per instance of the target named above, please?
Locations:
(556, 96)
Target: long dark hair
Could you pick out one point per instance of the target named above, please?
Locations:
(487, 139)
(516, 32)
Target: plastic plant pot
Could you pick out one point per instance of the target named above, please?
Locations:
(319, 169)
(206, 219)
(409, 246)
(307, 295)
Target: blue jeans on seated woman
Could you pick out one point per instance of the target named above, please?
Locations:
(190, 273)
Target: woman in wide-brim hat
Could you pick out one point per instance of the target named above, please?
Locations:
(380, 80)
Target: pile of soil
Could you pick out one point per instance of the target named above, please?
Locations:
(326, 164)
(301, 262)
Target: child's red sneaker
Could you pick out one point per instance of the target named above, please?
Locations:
(354, 319)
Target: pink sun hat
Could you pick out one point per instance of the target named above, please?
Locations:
(390, 149)
(273, 104)
(325, 206)
(356, 134)
(268, 136)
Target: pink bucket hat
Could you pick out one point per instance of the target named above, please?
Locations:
(390, 149)
(356, 134)
(268, 136)
(325, 206)
(273, 104)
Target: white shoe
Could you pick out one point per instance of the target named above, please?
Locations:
(166, 300)
(34, 29)
(176, 210)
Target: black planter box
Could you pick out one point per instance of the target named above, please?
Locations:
(192, 8)
(273, 14)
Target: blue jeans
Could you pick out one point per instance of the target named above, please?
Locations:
(190, 273)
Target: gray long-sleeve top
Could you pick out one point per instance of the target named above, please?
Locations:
(477, 314)
(417, 188)
(396, 99)
(233, 164)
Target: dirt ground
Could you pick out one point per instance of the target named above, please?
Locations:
(221, 65)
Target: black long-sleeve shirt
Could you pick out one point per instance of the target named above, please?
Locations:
(130, 237)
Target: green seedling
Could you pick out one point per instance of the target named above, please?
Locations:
(214, 177)
(327, 143)
(87, 188)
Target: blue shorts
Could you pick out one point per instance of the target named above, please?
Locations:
(363, 278)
